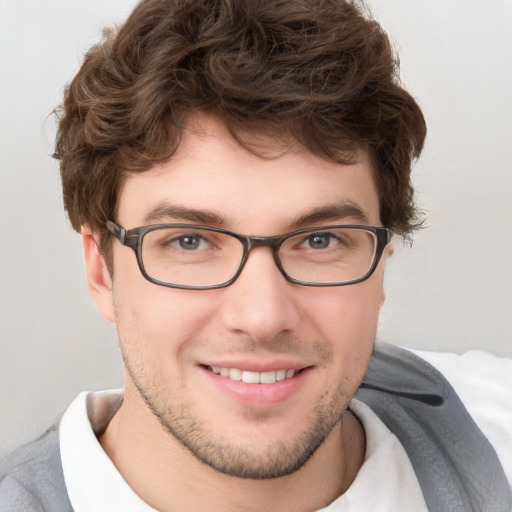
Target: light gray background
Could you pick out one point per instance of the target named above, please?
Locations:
(451, 291)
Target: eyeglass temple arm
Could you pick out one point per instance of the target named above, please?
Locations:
(127, 238)
(118, 231)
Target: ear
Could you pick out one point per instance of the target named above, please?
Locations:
(98, 276)
(388, 252)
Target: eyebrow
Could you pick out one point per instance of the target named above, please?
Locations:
(165, 212)
(332, 212)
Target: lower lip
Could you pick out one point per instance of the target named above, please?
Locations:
(259, 395)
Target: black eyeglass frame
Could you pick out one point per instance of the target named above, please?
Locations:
(133, 238)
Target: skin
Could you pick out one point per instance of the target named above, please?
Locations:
(304, 448)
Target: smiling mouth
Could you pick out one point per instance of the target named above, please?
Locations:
(249, 377)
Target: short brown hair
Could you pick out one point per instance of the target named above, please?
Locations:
(320, 71)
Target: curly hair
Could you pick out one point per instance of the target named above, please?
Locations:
(320, 71)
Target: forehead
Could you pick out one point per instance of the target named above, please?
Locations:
(212, 173)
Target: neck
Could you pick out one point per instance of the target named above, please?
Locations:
(168, 477)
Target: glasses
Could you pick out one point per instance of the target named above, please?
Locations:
(202, 258)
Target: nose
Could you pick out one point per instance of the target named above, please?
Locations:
(261, 303)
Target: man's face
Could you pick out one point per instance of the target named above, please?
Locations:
(172, 338)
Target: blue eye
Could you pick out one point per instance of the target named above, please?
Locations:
(189, 242)
(319, 240)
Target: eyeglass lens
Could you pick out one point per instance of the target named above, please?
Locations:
(199, 257)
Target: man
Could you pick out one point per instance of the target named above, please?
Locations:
(237, 171)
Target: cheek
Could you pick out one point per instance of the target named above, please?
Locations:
(157, 331)
(355, 306)
(347, 318)
(153, 320)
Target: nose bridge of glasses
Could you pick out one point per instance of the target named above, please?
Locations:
(272, 242)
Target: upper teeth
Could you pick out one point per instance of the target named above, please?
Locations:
(253, 377)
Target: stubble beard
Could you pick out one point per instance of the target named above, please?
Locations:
(279, 459)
